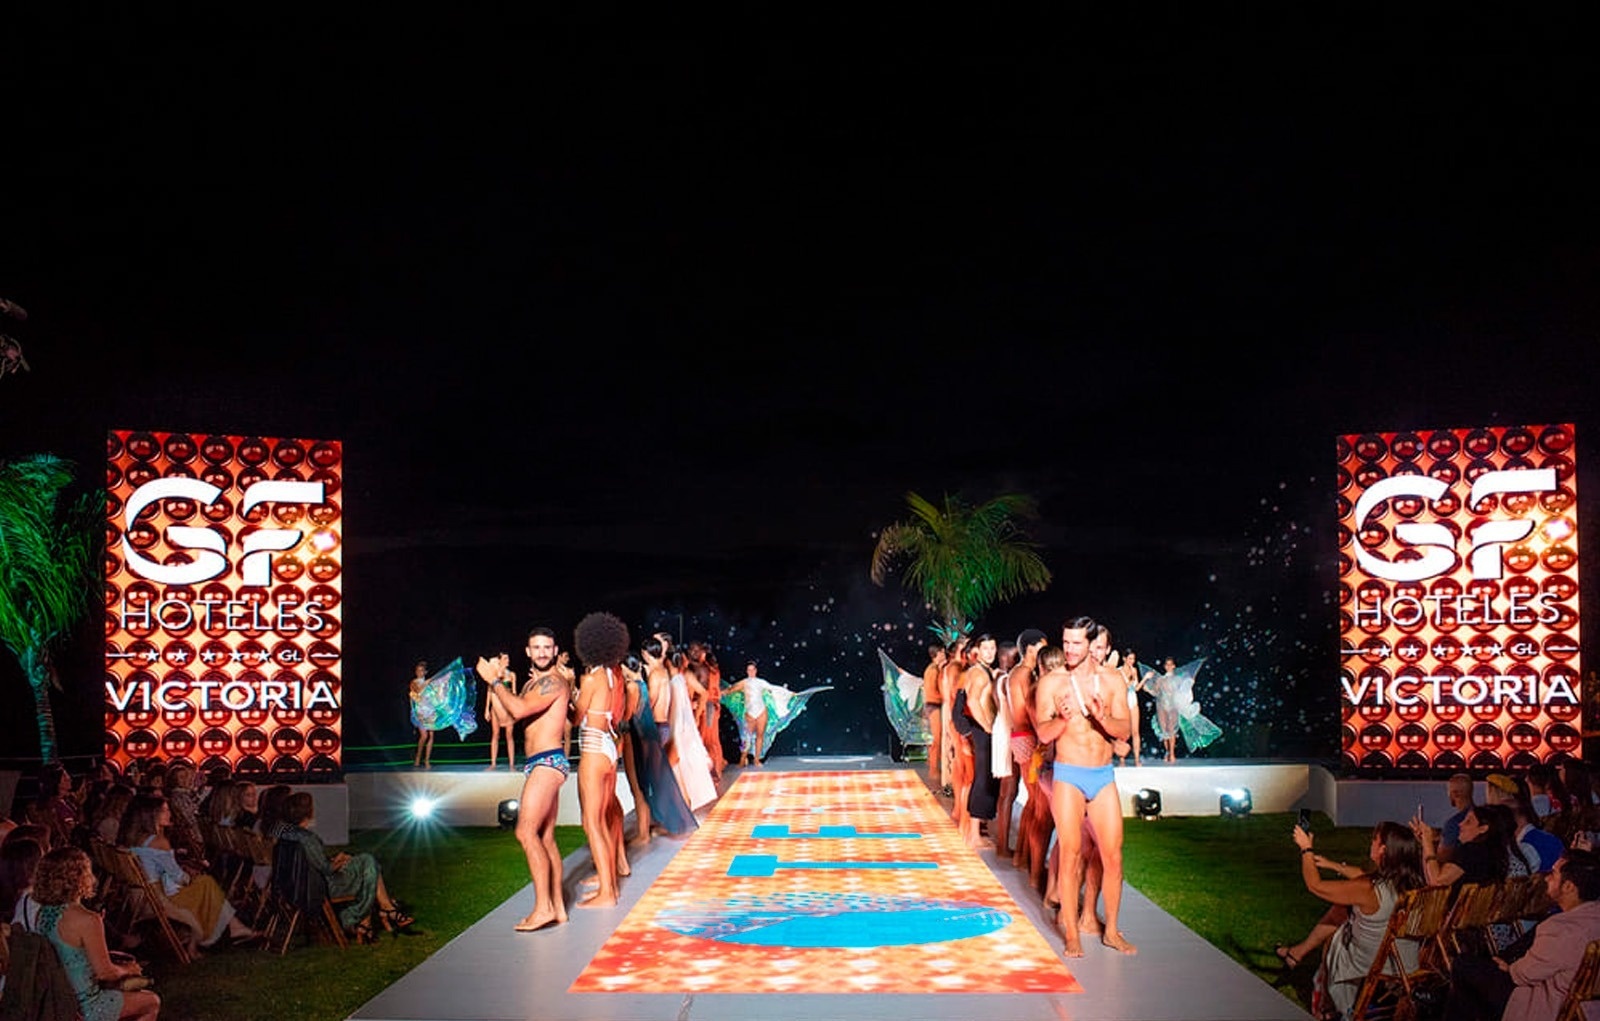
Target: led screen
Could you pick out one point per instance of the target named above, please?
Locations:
(1458, 598)
(222, 603)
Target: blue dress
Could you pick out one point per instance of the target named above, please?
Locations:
(656, 779)
(97, 1004)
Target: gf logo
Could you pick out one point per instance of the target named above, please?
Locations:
(1437, 544)
(210, 548)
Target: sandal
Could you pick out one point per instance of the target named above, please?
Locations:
(395, 920)
(1285, 958)
(362, 932)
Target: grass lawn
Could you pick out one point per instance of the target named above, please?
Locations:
(1235, 882)
(447, 878)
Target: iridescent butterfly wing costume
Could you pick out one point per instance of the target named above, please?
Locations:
(446, 700)
(902, 701)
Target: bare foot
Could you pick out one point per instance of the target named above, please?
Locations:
(1116, 941)
(538, 920)
(1090, 926)
(595, 900)
(1074, 946)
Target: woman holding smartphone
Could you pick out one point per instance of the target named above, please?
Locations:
(1360, 903)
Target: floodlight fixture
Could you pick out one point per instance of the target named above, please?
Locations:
(422, 808)
(1147, 803)
(508, 813)
(1235, 804)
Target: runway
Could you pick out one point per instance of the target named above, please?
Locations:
(835, 889)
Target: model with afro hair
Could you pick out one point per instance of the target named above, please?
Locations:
(601, 639)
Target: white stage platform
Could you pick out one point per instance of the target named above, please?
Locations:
(1195, 787)
(461, 795)
(468, 796)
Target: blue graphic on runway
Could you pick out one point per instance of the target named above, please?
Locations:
(833, 920)
(764, 865)
(780, 831)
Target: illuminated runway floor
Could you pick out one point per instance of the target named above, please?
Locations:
(834, 889)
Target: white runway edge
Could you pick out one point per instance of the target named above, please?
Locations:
(490, 973)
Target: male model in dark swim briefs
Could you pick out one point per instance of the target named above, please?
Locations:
(1081, 707)
(544, 699)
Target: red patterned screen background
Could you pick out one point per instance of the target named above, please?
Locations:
(222, 603)
(1458, 598)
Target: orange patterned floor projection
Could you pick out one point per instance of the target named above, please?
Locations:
(838, 882)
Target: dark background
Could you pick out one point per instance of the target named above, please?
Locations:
(670, 328)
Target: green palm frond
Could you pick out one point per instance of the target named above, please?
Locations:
(963, 559)
(47, 570)
(46, 552)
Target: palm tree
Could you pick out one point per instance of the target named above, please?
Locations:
(963, 559)
(47, 560)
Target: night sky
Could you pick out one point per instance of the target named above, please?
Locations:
(670, 329)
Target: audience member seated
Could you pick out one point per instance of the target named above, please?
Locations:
(347, 875)
(1533, 986)
(1541, 848)
(1459, 791)
(1546, 791)
(193, 897)
(32, 831)
(222, 807)
(1579, 814)
(1362, 900)
(183, 799)
(249, 804)
(270, 823)
(63, 879)
(18, 861)
(55, 806)
(1488, 853)
(106, 823)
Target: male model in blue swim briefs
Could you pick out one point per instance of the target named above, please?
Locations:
(1081, 706)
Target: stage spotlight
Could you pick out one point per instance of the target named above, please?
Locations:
(1236, 803)
(508, 813)
(422, 808)
(1147, 803)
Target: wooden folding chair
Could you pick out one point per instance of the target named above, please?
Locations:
(1475, 908)
(253, 850)
(1526, 897)
(143, 891)
(1585, 985)
(1418, 917)
(300, 895)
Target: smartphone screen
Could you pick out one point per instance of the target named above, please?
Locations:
(1419, 811)
(1305, 819)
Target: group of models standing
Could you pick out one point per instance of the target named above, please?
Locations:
(1051, 718)
(654, 720)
